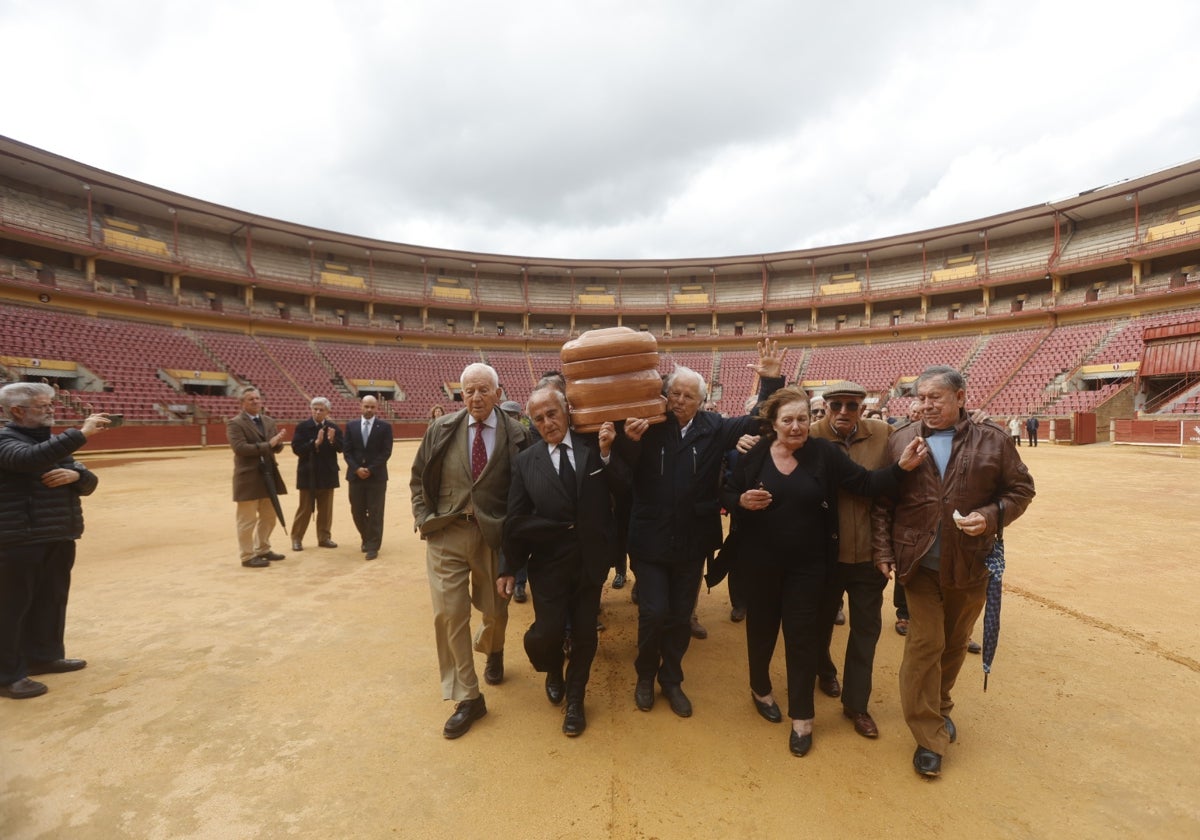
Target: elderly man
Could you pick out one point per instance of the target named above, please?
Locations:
(865, 441)
(560, 523)
(460, 482)
(316, 442)
(935, 535)
(675, 522)
(255, 441)
(367, 449)
(40, 519)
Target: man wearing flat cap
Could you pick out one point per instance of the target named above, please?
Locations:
(865, 441)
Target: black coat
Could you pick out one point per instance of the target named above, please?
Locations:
(318, 466)
(676, 515)
(30, 512)
(542, 527)
(372, 453)
(824, 461)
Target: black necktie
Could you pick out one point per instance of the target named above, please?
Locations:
(258, 422)
(565, 471)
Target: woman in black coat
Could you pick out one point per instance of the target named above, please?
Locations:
(784, 494)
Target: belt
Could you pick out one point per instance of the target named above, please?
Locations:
(467, 517)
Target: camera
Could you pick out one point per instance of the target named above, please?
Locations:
(115, 420)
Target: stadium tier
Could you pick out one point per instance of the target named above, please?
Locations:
(161, 306)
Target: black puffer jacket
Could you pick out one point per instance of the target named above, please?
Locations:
(31, 512)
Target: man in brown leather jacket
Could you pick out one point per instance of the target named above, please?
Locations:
(974, 471)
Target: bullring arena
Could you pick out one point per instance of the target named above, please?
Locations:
(302, 700)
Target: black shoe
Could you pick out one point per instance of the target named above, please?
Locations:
(575, 721)
(974, 646)
(56, 666)
(697, 629)
(830, 686)
(770, 711)
(371, 555)
(951, 729)
(493, 672)
(555, 687)
(327, 544)
(927, 762)
(643, 695)
(680, 704)
(274, 555)
(799, 744)
(297, 545)
(519, 594)
(256, 563)
(737, 614)
(23, 689)
(466, 713)
(618, 581)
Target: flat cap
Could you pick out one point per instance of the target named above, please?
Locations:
(845, 388)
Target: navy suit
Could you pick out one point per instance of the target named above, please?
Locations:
(367, 495)
(569, 544)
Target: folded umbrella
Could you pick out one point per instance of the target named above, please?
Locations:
(995, 590)
(268, 473)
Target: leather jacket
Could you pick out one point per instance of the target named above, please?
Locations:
(984, 468)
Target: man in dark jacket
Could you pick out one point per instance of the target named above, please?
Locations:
(40, 519)
(676, 518)
(935, 534)
(560, 523)
(316, 442)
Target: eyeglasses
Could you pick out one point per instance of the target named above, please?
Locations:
(838, 405)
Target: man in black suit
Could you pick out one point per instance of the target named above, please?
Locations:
(368, 447)
(560, 522)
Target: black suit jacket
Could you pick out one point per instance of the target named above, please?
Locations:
(372, 453)
(542, 529)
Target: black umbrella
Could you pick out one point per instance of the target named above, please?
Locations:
(995, 589)
(268, 474)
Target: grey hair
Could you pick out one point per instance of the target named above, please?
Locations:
(687, 372)
(553, 389)
(480, 367)
(23, 393)
(322, 402)
(949, 376)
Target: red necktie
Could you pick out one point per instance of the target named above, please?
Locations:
(478, 453)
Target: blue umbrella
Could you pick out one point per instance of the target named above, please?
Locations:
(995, 589)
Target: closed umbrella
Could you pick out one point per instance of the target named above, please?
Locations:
(268, 473)
(995, 589)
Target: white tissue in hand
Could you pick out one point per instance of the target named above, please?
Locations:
(958, 518)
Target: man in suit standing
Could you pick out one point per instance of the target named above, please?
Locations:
(560, 522)
(460, 482)
(316, 442)
(255, 440)
(368, 446)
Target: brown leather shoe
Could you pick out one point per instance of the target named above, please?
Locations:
(327, 544)
(863, 724)
(23, 689)
(830, 686)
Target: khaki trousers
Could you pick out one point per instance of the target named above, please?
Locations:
(939, 627)
(255, 522)
(462, 571)
(324, 504)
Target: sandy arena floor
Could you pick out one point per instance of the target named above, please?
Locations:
(302, 700)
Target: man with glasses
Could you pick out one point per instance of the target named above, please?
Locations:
(865, 441)
(41, 517)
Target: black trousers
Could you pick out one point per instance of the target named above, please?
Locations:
(366, 506)
(864, 584)
(666, 598)
(794, 594)
(35, 581)
(563, 598)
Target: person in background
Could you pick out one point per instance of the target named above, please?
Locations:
(1014, 429)
(1031, 428)
(41, 517)
(316, 443)
(435, 412)
(367, 449)
(255, 442)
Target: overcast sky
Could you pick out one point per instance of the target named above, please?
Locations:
(617, 129)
